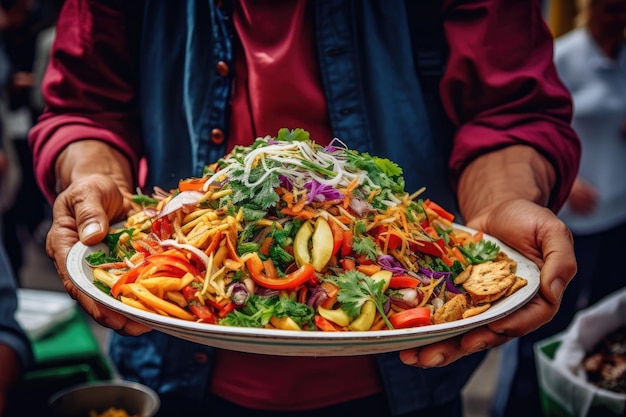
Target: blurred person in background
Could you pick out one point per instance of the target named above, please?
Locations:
(16, 354)
(591, 61)
(196, 78)
(21, 23)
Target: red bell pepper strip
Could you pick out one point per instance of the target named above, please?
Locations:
(346, 245)
(412, 317)
(337, 232)
(439, 210)
(292, 280)
(129, 276)
(388, 238)
(168, 261)
(403, 281)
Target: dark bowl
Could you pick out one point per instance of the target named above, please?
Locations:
(77, 401)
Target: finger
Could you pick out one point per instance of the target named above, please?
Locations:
(447, 351)
(94, 201)
(559, 266)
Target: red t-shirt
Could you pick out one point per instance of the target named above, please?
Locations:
(280, 51)
(277, 80)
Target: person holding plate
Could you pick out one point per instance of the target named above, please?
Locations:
(464, 97)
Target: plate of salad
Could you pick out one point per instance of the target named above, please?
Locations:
(286, 247)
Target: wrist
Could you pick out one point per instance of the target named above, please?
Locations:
(90, 156)
(512, 173)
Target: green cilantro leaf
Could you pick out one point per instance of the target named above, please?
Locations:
(480, 252)
(355, 288)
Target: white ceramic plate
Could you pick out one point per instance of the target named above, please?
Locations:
(305, 343)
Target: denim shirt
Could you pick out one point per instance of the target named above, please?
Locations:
(375, 104)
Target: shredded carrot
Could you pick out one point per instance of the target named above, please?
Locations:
(458, 255)
(213, 245)
(264, 249)
(369, 270)
(288, 198)
(303, 214)
(373, 194)
(270, 268)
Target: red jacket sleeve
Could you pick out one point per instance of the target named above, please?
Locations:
(501, 87)
(87, 86)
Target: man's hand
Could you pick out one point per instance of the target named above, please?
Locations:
(95, 180)
(583, 198)
(503, 194)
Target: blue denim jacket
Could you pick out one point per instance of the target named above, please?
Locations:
(376, 105)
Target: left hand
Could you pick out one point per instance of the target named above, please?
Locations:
(534, 231)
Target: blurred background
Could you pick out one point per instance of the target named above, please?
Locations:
(68, 344)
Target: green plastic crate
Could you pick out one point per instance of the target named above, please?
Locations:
(69, 355)
(546, 350)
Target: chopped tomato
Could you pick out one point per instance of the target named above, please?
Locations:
(204, 313)
(348, 264)
(388, 238)
(346, 245)
(162, 228)
(412, 317)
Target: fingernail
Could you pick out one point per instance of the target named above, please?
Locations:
(408, 357)
(91, 229)
(435, 361)
(556, 288)
(114, 322)
(478, 347)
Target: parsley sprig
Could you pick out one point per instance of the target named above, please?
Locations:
(355, 288)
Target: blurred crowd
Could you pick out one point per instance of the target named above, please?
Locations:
(26, 30)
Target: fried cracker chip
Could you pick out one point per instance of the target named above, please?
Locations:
(501, 256)
(519, 283)
(472, 311)
(489, 281)
(451, 310)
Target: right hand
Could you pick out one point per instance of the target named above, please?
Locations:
(583, 198)
(94, 194)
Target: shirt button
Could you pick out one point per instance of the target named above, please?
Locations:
(222, 68)
(217, 136)
(201, 357)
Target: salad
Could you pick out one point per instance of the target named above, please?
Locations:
(291, 235)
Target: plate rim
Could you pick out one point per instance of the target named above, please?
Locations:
(76, 265)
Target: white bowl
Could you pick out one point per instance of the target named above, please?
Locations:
(77, 401)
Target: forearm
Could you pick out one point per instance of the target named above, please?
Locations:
(514, 172)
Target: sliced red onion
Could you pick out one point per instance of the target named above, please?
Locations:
(390, 263)
(238, 293)
(360, 206)
(450, 286)
(406, 297)
(150, 211)
(317, 297)
(184, 198)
